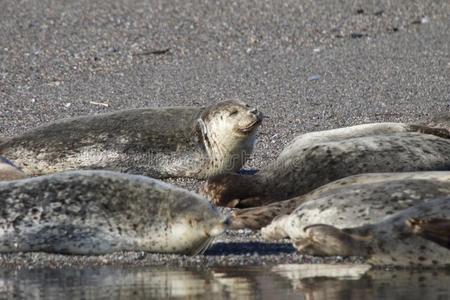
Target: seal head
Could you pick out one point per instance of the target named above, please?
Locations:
(228, 131)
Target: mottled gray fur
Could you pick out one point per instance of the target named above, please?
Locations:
(158, 142)
(96, 212)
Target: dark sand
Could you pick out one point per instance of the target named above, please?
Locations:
(308, 65)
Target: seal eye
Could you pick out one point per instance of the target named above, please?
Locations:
(233, 113)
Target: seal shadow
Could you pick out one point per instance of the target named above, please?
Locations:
(258, 248)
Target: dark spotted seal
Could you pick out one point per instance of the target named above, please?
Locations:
(8, 171)
(353, 200)
(98, 212)
(300, 170)
(158, 142)
(417, 236)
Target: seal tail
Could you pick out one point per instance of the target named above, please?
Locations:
(435, 230)
(257, 217)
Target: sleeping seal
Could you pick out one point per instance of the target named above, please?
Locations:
(363, 130)
(98, 212)
(303, 169)
(351, 201)
(158, 142)
(417, 236)
(8, 171)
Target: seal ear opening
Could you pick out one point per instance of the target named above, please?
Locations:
(327, 240)
(435, 230)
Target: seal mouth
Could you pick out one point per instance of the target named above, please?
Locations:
(249, 128)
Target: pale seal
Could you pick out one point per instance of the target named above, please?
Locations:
(417, 236)
(98, 212)
(353, 200)
(8, 171)
(357, 200)
(157, 142)
(301, 170)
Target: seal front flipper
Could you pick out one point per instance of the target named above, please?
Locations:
(436, 230)
(327, 240)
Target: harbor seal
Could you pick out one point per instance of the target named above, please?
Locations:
(8, 171)
(417, 236)
(158, 142)
(353, 200)
(301, 170)
(99, 212)
(356, 131)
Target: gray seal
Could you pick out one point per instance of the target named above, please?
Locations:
(99, 212)
(417, 236)
(351, 201)
(157, 142)
(300, 170)
(357, 200)
(8, 171)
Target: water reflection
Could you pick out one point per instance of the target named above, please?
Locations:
(280, 282)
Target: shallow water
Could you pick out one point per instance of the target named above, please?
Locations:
(278, 282)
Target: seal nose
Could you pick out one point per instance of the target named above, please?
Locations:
(254, 111)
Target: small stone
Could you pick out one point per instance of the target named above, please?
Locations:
(314, 77)
(425, 20)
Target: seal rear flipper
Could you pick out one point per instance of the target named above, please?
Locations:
(257, 217)
(253, 218)
(436, 131)
(435, 230)
(326, 240)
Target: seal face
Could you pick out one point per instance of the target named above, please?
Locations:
(303, 169)
(417, 236)
(8, 171)
(158, 142)
(350, 202)
(98, 212)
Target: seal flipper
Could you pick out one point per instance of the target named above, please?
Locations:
(257, 217)
(436, 131)
(327, 240)
(435, 230)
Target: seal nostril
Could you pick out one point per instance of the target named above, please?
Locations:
(254, 110)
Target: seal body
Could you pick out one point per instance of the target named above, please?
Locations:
(355, 201)
(98, 212)
(417, 236)
(299, 171)
(357, 131)
(8, 171)
(158, 142)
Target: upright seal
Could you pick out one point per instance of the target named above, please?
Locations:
(157, 142)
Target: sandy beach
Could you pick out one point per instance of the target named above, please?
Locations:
(306, 65)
